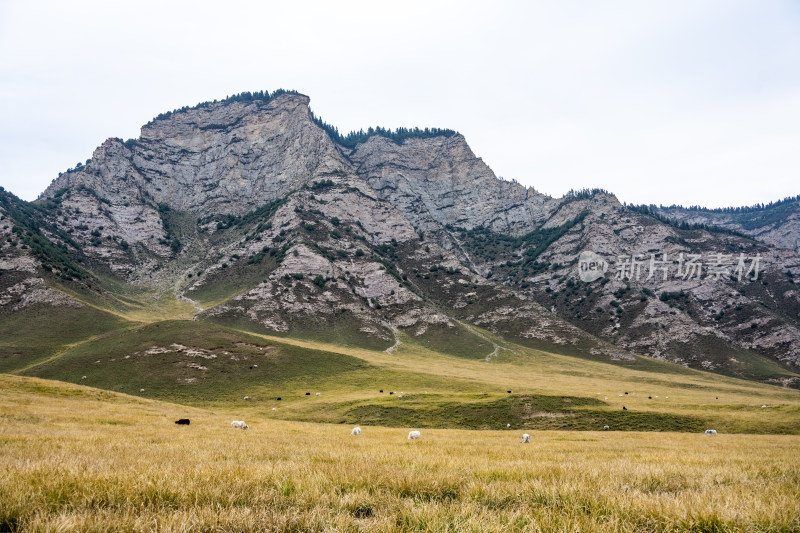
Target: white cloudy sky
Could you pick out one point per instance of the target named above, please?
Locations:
(674, 101)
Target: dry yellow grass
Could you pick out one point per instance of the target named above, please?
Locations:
(78, 459)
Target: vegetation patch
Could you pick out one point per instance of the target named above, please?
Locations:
(533, 412)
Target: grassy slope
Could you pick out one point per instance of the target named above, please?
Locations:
(34, 334)
(144, 473)
(549, 391)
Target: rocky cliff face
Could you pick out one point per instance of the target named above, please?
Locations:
(252, 212)
(224, 158)
(439, 182)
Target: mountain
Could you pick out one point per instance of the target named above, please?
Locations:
(252, 213)
(777, 223)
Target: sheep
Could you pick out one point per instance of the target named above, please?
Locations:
(239, 424)
(526, 438)
(606, 428)
(141, 390)
(83, 377)
(763, 406)
(508, 425)
(182, 421)
(356, 431)
(317, 394)
(274, 409)
(413, 435)
(246, 398)
(711, 432)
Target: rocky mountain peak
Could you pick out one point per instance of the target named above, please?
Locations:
(220, 158)
(265, 216)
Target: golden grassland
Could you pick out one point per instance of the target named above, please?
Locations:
(74, 458)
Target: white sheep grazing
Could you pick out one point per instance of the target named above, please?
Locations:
(239, 424)
(606, 428)
(711, 432)
(356, 431)
(141, 390)
(317, 394)
(83, 377)
(508, 425)
(526, 438)
(413, 435)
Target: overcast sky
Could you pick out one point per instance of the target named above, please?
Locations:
(690, 102)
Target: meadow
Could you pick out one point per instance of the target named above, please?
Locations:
(73, 458)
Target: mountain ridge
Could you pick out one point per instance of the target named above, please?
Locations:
(252, 210)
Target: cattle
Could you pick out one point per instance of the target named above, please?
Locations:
(624, 408)
(380, 390)
(356, 431)
(413, 435)
(392, 392)
(711, 432)
(508, 391)
(239, 424)
(606, 428)
(182, 421)
(526, 438)
(279, 398)
(308, 394)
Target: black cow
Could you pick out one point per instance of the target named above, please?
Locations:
(182, 422)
